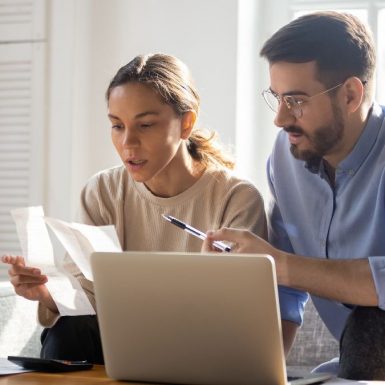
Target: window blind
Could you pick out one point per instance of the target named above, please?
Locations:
(22, 85)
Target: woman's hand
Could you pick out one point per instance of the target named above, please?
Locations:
(28, 282)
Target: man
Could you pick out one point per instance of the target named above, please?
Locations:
(327, 179)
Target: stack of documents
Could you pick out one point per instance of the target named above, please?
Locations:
(79, 240)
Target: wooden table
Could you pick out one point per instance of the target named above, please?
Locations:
(97, 375)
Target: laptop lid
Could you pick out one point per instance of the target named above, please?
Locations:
(189, 318)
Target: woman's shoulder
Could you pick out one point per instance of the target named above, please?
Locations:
(226, 179)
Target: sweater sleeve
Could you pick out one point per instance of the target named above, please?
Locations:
(45, 316)
(245, 209)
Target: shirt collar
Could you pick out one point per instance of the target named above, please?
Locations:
(365, 142)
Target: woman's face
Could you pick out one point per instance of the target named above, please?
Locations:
(146, 132)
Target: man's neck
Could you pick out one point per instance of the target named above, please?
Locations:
(354, 127)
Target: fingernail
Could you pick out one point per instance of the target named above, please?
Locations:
(36, 272)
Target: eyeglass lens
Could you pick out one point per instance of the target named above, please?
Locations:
(271, 100)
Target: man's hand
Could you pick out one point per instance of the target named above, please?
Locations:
(28, 282)
(242, 241)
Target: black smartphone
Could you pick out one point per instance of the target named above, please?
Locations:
(49, 365)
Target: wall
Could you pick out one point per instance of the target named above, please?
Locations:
(90, 40)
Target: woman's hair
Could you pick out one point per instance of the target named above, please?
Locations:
(171, 79)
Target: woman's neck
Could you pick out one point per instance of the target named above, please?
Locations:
(182, 172)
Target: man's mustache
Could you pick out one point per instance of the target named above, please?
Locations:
(293, 130)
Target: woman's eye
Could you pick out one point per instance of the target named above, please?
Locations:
(146, 125)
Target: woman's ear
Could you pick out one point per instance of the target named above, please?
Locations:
(354, 94)
(187, 123)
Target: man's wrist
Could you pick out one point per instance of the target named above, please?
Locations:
(282, 267)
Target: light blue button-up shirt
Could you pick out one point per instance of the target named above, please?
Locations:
(309, 218)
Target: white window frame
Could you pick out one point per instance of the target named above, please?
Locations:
(23, 40)
(373, 7)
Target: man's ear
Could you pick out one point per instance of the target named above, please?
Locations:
(187, 123)
(353, 94)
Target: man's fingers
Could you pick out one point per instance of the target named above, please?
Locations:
(207, 246)
(241, 241)
(229, 235)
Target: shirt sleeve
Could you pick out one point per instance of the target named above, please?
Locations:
(277, 233)
(377, 265)
(291, 302)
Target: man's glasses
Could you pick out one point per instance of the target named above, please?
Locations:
(292, 102)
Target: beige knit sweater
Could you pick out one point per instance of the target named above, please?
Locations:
(216, 200)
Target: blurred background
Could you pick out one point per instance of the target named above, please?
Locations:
(56, 60)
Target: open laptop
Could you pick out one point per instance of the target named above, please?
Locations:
(190, 318)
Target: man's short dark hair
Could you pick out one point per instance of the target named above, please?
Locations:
(340, 44)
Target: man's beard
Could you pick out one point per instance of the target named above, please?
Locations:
(323, 139)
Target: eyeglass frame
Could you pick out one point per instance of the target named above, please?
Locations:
(292, 104)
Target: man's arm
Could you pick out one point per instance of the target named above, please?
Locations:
(347, 281)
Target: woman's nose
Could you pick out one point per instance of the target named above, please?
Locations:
(129, 138)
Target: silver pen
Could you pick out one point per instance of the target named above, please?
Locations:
(197, 233)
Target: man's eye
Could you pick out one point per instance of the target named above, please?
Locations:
(275, 95)
(117, 127)
(298, 101)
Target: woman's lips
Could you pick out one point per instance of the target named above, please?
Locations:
(135, 164)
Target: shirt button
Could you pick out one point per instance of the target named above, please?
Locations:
(323, 243)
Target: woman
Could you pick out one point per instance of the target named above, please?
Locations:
(169, 167)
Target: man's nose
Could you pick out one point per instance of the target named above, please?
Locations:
(284, 116)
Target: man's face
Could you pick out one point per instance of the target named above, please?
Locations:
(319, 131)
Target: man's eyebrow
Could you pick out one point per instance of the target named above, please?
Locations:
(290, 93)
